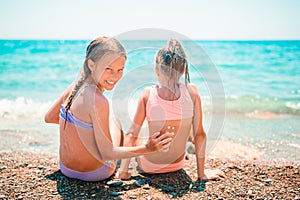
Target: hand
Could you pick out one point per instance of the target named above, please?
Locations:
(210, 174)
(166, 147)
(159, 141)
(123, 175)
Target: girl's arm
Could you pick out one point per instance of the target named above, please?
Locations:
(52, 116)
(100, 118)
(200, 139)
(199, 133)
(133, 132)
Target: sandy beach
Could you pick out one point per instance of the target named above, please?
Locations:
(262, 95)
(37, 176)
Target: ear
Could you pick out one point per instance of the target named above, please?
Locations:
(157, 71)
(91, 65)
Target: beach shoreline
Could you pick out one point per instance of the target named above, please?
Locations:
(27, 175)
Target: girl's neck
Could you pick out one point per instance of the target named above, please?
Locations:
(169, 92)
(171, 85)
(91, 81)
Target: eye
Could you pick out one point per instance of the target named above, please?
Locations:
(120, 70)
(108, 69)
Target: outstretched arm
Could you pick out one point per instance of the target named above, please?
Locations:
(199, 133)
(200, 139)
(103, 139)
(52, 116)
(131, 136)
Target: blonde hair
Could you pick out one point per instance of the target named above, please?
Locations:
(95, 51)
(171, 61)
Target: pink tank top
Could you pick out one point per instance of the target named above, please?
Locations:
(158, 109)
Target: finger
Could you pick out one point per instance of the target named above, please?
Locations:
(165, 146)
(164, 150)
(118, 174)
(219, 178)
(216, 177)
(155, 135)
(220, 173)
(164, 136)
(223, 175)
(170, 134)
(166, 141)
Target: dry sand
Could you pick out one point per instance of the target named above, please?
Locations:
(37, 176)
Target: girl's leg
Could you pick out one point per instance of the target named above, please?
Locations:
(117, 138)
(129, 140)
(116, 132)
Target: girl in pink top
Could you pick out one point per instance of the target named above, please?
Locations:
(174, 107)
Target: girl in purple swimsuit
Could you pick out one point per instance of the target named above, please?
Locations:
(88, 145)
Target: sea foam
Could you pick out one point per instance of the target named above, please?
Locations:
(23, 108)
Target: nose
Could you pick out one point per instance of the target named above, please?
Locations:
(115, 76)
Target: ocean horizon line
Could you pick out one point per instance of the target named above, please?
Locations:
(152, 39)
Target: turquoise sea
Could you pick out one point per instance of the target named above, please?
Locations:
(250, 90)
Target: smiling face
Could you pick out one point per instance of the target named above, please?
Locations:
(107, 72)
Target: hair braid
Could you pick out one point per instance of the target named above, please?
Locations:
(186, 74)
(85, 73)
(73, 94)
(94, 51)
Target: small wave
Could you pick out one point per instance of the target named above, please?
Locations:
(293, 105)
(264, 115)
(23, 108)
(252, 105)
(293, 135)
(294, 145)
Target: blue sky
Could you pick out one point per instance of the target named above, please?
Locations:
(196, 19)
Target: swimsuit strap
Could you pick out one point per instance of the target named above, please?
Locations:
(73, 120)
(158, 109)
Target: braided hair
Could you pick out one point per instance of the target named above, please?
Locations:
(95, 51)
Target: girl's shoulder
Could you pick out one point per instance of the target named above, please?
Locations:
(146, 93)
(91, 96)
(148, 89)
(192, 88)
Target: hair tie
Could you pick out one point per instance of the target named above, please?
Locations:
(167, 58)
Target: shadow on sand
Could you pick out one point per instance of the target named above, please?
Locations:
(174, 184)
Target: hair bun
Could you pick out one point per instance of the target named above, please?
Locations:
(168, 58)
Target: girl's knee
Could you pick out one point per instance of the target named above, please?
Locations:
(113, 167)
